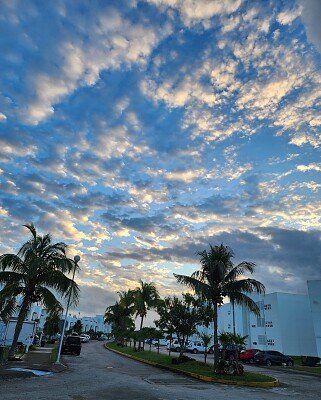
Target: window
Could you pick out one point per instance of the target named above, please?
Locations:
(262, 340)
(269, 324)
(260, 322)
(267, 307)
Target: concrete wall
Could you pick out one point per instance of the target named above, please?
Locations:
(314, 291)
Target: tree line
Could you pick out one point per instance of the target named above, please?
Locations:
(217, 278)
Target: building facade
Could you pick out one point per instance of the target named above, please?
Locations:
(289, 323)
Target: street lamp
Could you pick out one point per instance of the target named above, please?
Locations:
(76, 260)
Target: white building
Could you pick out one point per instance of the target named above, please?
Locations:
(95, 323)
(314, 289)
(289, 323)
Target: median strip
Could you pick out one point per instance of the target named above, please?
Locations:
(194, 369)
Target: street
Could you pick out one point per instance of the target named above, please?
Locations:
(100, 374)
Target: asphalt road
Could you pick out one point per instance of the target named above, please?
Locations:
(100, 374)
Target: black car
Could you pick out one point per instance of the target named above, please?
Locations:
(229, 352)
(71, 344)
(270, 357)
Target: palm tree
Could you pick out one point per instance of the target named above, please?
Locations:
(219, 278)
(206, 338)
(120, 314)
(145, 297)
(225, 340)
(30, 274)
(237, 341)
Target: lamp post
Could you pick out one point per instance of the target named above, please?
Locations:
(76, 260)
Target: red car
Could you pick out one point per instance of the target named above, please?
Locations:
(247, 355)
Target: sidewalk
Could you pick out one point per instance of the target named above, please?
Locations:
(37, 359)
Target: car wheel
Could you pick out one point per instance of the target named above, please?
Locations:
(251, 360)
(195, 351)
(289, 363)
(211, 351)
(268, 363)
(178, 349)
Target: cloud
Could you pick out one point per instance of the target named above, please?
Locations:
(310, 167)
(311, 12)
(193, 11)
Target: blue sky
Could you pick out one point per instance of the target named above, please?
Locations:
(138, 132)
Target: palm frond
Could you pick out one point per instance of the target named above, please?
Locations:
(242, 299)
(49, 300)
(8, 306)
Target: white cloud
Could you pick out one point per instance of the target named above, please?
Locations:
(309, 167)
(193, 11)
(286, 17)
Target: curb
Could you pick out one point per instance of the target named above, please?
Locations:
(208, 379)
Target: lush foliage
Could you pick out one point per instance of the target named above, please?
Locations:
(51, 326)
(182, 316)
(120, 315)
(77, 327)
(29, 275)
(206, 338)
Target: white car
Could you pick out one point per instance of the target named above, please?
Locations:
(84, 338)
(195, 346)
(162, 342)
(174, 346)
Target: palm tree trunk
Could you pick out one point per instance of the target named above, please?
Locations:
(216, 350)
(141, 327)
(21, 318)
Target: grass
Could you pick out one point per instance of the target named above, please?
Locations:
(54, 355)
(299, 367)
(196, 367)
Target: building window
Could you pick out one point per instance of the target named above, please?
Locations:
(270, 342)
(267, 307)
(260, 322)
(262, 339)
(269, 324)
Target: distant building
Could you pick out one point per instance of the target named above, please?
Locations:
(96, 323)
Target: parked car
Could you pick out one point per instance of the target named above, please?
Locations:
(247, 355)
(195, 346)
(270, 357)
(71, 344)
(175, 345)
(162, 342)
(84, 338)
(229, 352)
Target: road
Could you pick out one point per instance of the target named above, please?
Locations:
(98, 374)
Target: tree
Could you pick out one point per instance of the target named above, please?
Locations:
(206, 338)
(120, 315)
(237, 340)
(225, 340)
(77, 327)
(181, 316)
(51, 326)
(145, 297)
(38, 267)
(219, 278)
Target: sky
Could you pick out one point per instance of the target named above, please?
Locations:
(141, 132)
